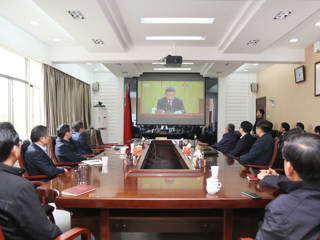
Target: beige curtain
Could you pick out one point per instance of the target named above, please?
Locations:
(67, 99)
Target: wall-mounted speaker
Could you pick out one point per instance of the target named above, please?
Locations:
(254, 87)
(95, 86)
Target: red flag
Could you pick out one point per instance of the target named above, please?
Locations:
(127, 131)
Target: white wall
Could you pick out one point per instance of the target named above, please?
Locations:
(17, 40)
(236, 101)
(111, 94)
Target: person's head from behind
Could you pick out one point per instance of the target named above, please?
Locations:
(302, 157)
(316, 130)
(300, 125)
(262, 127)
(9, 143)
(40, 135)
(230, 128)
(291, 133)
(245, 127)
(285, 127)
(77, 126)
(63, 131)
(260, 113)
(270, 125)
(170, 93)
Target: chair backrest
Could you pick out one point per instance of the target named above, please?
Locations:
(90, 141)
(275, 150)
(24, 147)
(52, 143)
(98, 137)
(1, 234)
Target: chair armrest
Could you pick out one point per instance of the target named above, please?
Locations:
(35, 177)
(37, 183)
(74, 232)
(246, 238)
(68, 163)
(97, 150)
(256, 166)
(88, 155)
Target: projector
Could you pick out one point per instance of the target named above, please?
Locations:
(173, 61)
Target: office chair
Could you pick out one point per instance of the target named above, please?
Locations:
(69, 235)
(91, 140)
(99, 141)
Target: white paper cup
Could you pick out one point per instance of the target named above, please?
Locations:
(214, 171)
(122, 150)
(105, 161)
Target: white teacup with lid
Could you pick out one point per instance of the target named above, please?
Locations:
(213, 185)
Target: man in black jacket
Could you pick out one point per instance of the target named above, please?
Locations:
(246, 140)
(295, 215)
(64, 149)
(21, 214)
(37, 161)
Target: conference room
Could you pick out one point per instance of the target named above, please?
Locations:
(225, 59)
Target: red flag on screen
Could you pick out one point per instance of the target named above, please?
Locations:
(127, 131)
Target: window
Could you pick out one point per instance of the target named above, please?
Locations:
(4, 100)
(21, 84)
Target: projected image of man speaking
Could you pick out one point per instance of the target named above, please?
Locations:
(170, 103)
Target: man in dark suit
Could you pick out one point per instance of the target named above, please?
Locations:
(246, 140)
(78, 139)
(21, 213)
(37, 161)
(262, 149)
(259, 115)
(170, 103)
(228, 141)
(64, 149)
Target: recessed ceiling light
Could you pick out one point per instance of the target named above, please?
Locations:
(293, 40)
(172, 69)
(317, 24)
(246, 70)
(175, 38)
(255, 64)
(89, 63)
(96, 69)
(34, 22)
(98, 41)
(177, 20)
(282, 15)
(56, 39)
(77, 15)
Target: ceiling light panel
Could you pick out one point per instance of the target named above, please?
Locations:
(172, 69)
(177, 20)
(161, 38)
(76, 15)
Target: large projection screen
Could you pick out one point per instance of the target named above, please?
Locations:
(186, 108)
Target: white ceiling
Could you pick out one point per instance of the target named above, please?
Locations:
(117, 23)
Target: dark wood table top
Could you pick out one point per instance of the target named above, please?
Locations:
(113, 190)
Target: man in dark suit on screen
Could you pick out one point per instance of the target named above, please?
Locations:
(170, 103)
(246, 140)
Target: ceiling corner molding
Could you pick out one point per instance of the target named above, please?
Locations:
(113, 15)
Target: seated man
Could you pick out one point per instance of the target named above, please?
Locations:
(259, 115)
(37, 161)
(170, 103)
(64, 149)
(228, 141)
(300, 125)
(21, 213)
(262, 149)
(246, 140)
(78, 139)
(295, 215)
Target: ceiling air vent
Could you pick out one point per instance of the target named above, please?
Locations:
(117, 64)
(228, 64)
(98, 41)
(253, 42)
(77, 15)
(218, 72)
(282, 15)
(124, 72)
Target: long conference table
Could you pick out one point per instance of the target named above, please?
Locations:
(163, 204)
